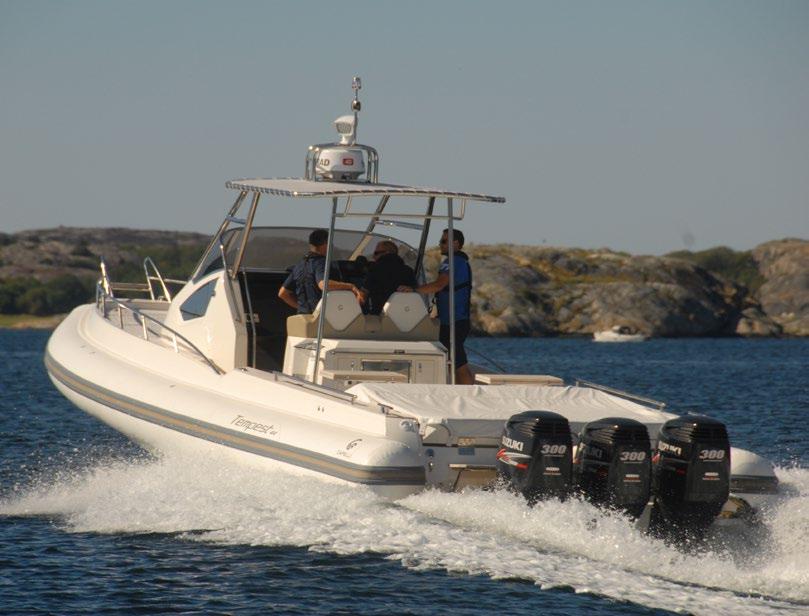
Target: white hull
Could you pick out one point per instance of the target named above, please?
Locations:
(171, 401)
(179, 403)
(610, 336)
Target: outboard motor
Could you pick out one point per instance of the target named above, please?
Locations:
(690, 476)
(536, 455)
(613, 464)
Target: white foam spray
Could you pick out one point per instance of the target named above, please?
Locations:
(554, 544)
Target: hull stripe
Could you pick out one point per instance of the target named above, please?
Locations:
(348, 471)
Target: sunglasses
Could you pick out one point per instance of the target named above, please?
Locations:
(379, 252)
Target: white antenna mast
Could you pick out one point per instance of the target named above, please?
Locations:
(346, 160)
(356, 105)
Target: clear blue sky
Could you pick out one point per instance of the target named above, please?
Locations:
(641, 125)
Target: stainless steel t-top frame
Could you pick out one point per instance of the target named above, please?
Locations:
(347, 211)
(374, 218)
(313, 186)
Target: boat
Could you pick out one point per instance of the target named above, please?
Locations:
(619, 333)
(218, 363)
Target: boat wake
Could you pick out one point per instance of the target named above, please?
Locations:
(555, 544)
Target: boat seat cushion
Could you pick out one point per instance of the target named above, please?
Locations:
(340, 324)
(342, 309)
(405, 310)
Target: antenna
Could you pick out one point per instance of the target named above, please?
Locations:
(346, 125)
(346, 160)
(356, 85)
(356, 105)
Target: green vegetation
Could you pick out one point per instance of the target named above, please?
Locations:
(29, 296)
(173, 262)
(32, 297)
(736, 266)
(82, 250)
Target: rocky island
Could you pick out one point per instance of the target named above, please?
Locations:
(518, 290)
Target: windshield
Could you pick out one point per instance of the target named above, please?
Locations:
(279, 248)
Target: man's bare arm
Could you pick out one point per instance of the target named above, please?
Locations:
(288, 297)
(431, 287)
(336, 285)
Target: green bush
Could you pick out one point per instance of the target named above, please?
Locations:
(63, 293)
(35, 301)
(66, 292)
(8, 301)
(173, 261)
(736, 266)
(30, 296)
(14, 290)
(81, 249)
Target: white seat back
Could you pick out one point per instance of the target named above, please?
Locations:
(406, 310)
(342, 308)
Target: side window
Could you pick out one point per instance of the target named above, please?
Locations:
(196, 305)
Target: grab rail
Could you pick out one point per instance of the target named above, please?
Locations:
(321, 389)
(158, 277)
(139, 287)
(105, 279)
(102, 297)
(621, 393)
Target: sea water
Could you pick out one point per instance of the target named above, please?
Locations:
(92, 524)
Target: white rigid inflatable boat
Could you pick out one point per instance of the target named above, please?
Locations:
(619, 333)
(368, 399)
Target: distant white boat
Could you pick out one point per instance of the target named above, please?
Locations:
(619, 333)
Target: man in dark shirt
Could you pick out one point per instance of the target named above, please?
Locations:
(303, 288)
(387, 273)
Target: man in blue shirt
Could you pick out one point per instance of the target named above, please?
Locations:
(303, 288)
(463, 297)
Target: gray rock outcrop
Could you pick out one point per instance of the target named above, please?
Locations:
(518, 290)
(523, 290)
(47, 253)
(784, 296)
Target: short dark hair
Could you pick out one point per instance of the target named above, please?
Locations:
(456, 234)
(318, 237)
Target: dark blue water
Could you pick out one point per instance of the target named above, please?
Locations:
(91, 524)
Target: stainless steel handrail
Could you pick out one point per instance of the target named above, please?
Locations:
(228, 285)
(138, 287)
(322, 389)
(159, 278)
(102, 298)
(105, 279)
(251, 315)
(623, 394)
(325, 297)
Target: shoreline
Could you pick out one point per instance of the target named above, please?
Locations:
(32, 322)
(29, 321)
